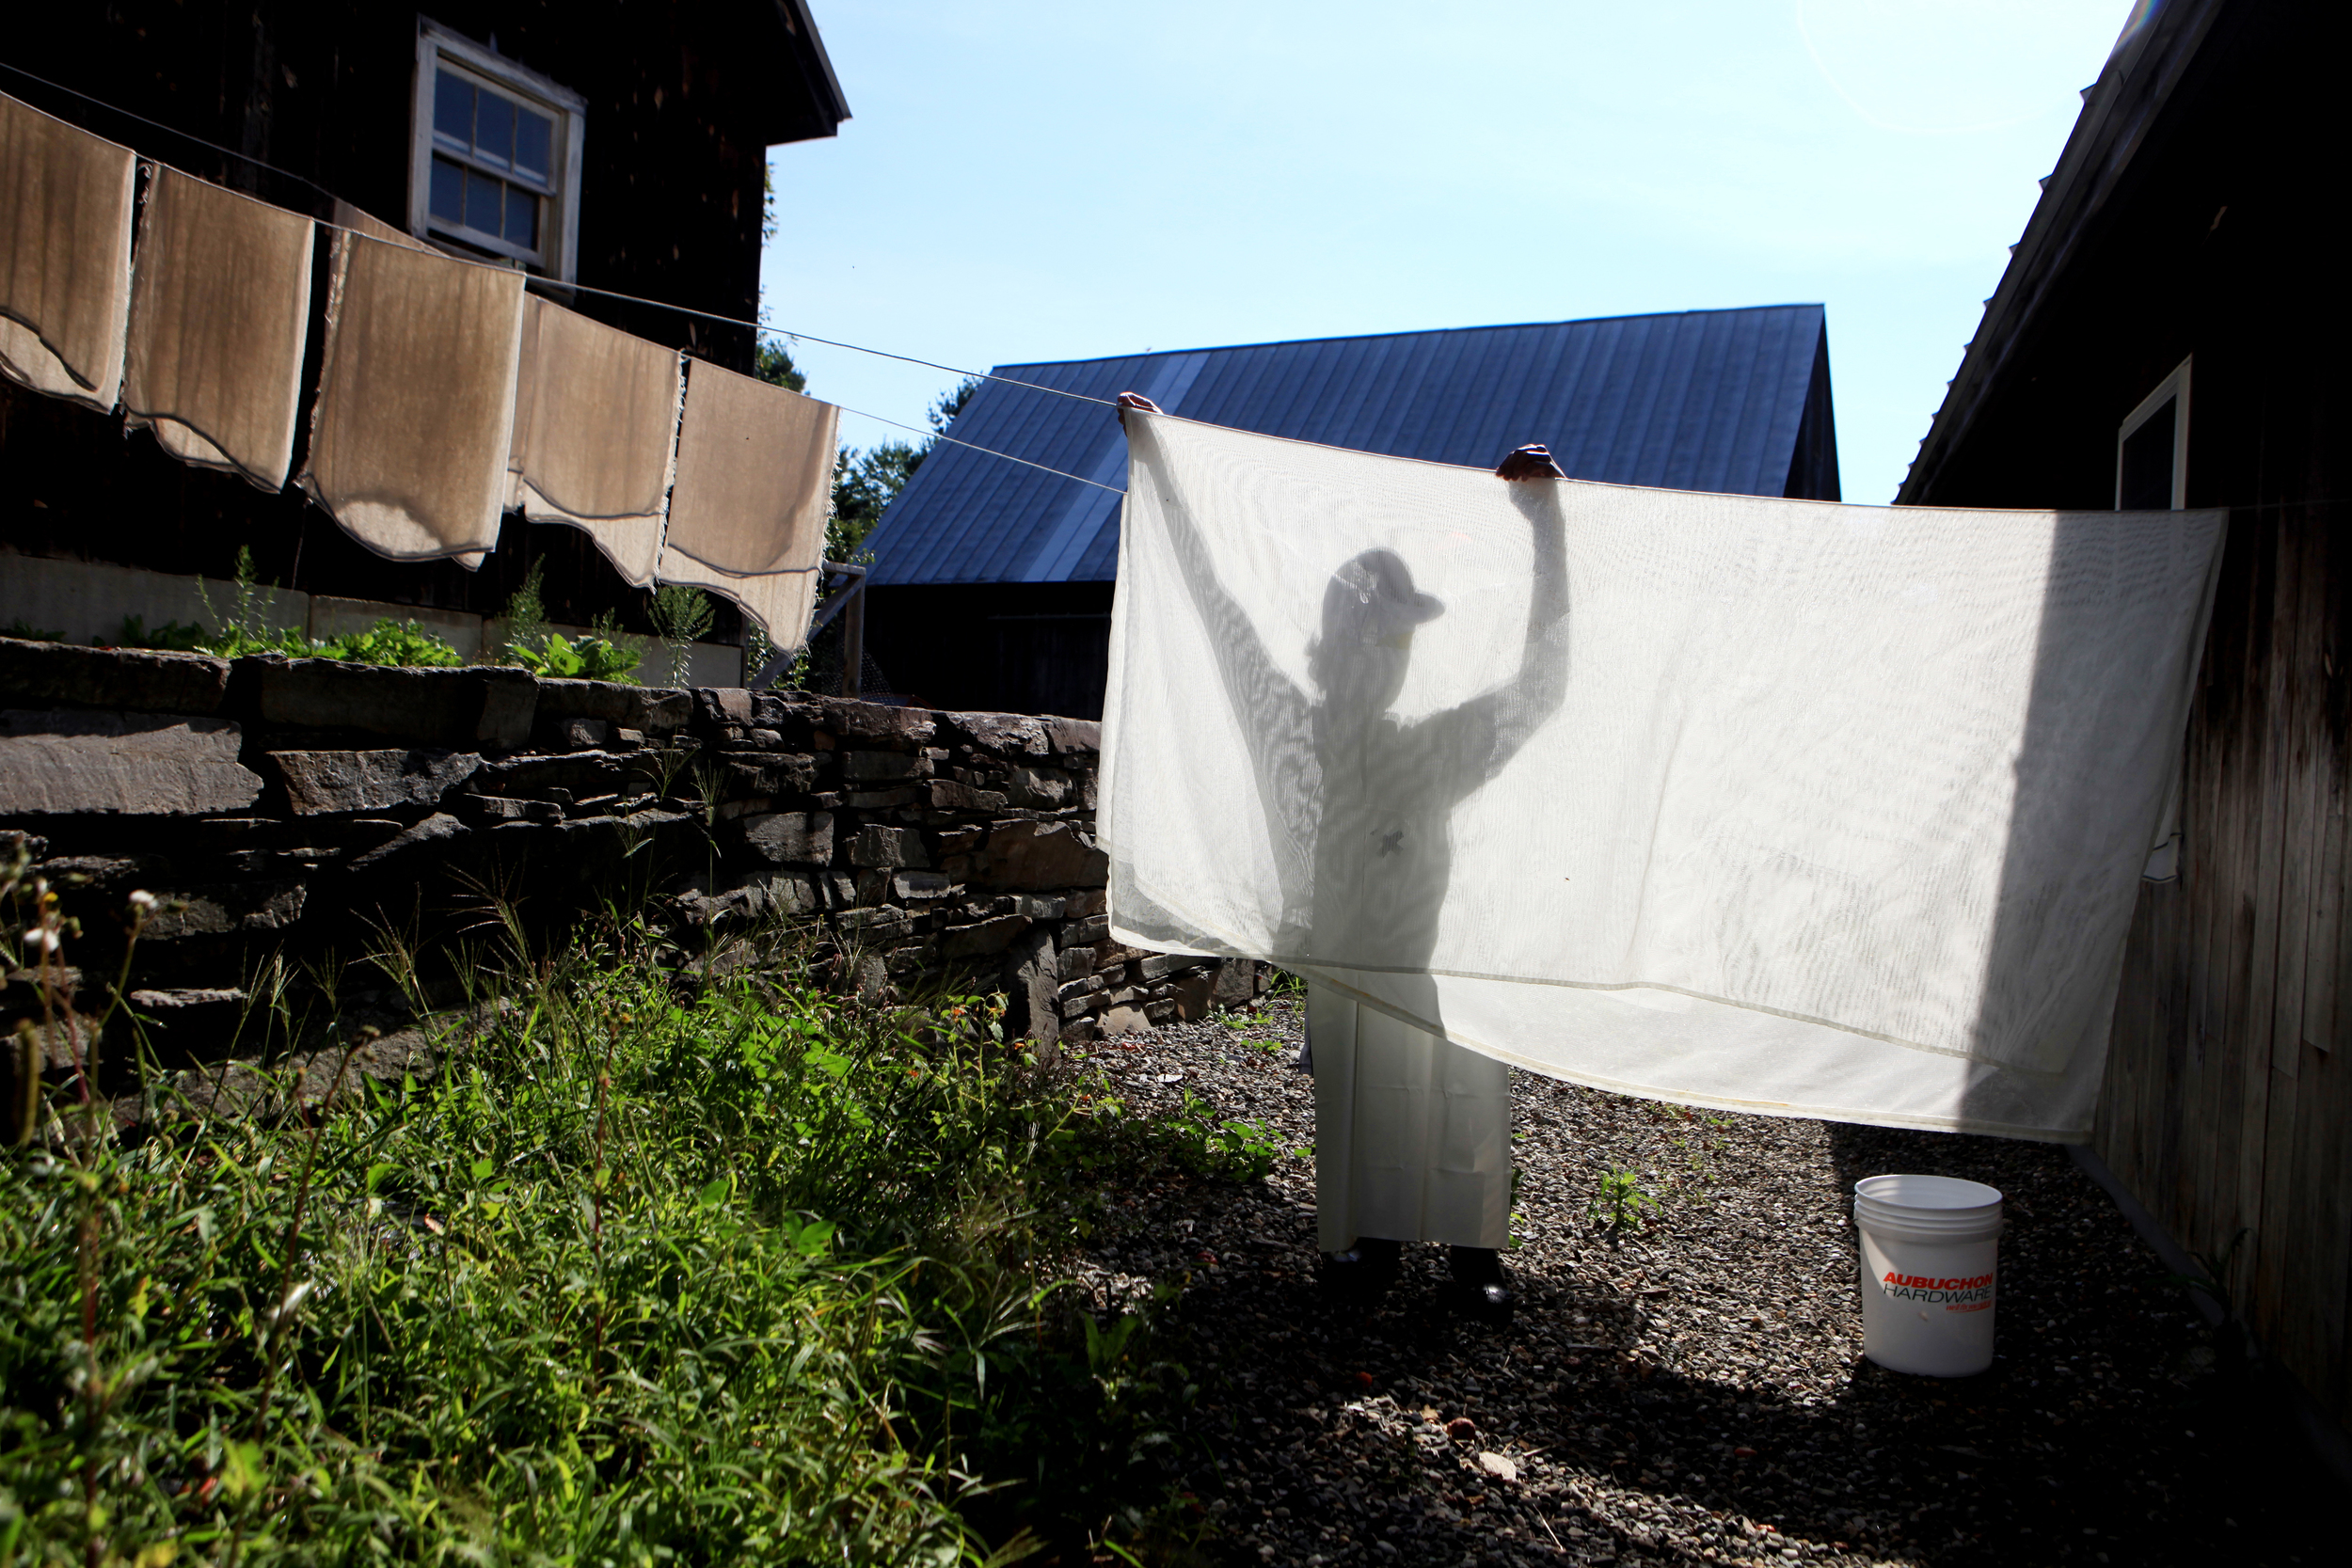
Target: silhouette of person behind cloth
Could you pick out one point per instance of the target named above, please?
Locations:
(1412, 1135)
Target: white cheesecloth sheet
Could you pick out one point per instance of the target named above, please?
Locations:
(1769, 805)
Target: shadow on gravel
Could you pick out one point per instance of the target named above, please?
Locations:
(2105, 1432)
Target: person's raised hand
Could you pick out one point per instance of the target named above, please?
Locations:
(1533, 461)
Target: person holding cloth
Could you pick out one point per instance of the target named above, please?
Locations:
(1412, 1132)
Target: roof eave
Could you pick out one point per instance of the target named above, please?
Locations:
(2120, 110)
(804, 47)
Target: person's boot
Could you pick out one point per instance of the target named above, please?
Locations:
(1481, 1289)
(1362, 1273)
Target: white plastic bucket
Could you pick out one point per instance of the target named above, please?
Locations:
(1929, 1260)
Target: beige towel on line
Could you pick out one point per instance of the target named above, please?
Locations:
(66, 202)
(348, 217)
(747, 518)
(595, 433)
(416, 403)
(220, 309)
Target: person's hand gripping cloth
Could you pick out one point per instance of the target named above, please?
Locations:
(1841, 811)
(66, 202)
(595, 433)
(220, 309)
(747, 517)
(416, 402)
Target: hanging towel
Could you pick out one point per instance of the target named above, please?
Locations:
(348, 217)
(66, 200)
(595, 433)
(416, 403)
(747, 519)
(219, 315)
(1769, 805)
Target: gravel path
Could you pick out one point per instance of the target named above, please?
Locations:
(1691, 1391)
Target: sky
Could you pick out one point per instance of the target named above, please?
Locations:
(1041, 181)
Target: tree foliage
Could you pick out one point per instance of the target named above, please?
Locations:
(868, 481)
(774, 364)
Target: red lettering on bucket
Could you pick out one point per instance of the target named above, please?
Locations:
(1970, 1294)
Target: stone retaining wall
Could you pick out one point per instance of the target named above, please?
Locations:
(281, 807)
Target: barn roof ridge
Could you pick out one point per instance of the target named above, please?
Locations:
(1410, 332)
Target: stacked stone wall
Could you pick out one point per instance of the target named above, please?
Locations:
(297, 809)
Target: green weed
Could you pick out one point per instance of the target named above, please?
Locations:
(594, 658)
(1236, 1150)
(1618, 1202)
(744, 1272)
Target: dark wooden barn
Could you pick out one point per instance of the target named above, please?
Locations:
(2172, 332)
(992, 581)
(647, 125)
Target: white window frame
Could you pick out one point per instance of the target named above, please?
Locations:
(559, 230)
(2164, 856)
(2175, 387)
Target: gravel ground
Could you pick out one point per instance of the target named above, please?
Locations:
(1691, 1391)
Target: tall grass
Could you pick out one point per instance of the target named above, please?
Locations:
(736, 1271)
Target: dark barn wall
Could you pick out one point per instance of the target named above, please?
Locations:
(1813, 465)
(2228, 1101)
(1008, 647)
(681, 100)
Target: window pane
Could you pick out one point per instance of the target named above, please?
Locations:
(494, 130)
(449, 191)
(452, 108)
(483, 197)
(522, 218)
(2148, 463)
(535, 135)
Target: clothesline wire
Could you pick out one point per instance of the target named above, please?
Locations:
(580, 288)
(1005, 455)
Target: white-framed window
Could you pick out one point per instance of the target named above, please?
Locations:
(2152, 475)
(2151, 449)
(495, 162)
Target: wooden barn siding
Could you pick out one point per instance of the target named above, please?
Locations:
(2229, 1096)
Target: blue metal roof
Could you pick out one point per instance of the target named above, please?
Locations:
(1700, 399)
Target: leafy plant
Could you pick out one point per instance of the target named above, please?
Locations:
(25, 631)
(680, 614)
(591, 658)
(246, 628)
(526, 613)
(386, 643)
(1618, 1202)
(1243, 1151)
(733, 1269)
(757, 650)
(389, 641)
(183, 637)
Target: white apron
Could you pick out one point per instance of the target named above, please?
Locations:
(1413, 1133)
